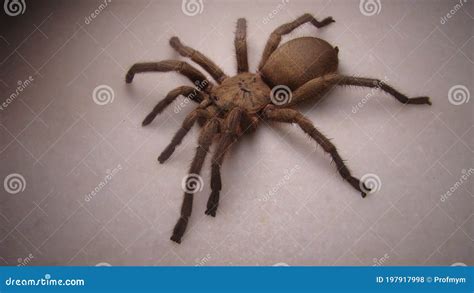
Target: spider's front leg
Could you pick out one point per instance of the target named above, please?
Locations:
(169, 65)
(237, 122)
(188, 122)
(199, 58)
(189, 92)
(293, 116)
(204, 142)
(240, 43)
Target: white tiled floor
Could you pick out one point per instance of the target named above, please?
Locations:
(64, 145)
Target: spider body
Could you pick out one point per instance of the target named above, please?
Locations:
(236, 105)
(300, 60)
(246, 90)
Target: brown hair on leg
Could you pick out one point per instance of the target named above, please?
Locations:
(204, 142)
(169, 65)
(199, 58)
(240, 43)
(377, 83)
(293, 116)
(275, 38)
(181, 133)
(189, 92)
(237, 122)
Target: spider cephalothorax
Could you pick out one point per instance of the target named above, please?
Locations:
(236, 105)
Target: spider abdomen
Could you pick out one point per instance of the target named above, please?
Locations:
(298, 61)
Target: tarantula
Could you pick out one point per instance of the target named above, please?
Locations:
(305, 67)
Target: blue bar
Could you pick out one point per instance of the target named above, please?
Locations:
(237, 279)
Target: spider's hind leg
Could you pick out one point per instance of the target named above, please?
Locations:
(293, 116)
(376, 83)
